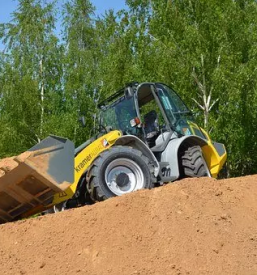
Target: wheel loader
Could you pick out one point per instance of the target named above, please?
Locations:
(147, 138)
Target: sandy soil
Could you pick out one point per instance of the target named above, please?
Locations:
(195, 226)
(9, 163)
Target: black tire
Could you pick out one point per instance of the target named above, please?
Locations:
(192, 163)
(98, 172)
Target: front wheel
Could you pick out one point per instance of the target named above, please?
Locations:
(117, 171)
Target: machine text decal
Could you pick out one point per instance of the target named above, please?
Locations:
(83, 163)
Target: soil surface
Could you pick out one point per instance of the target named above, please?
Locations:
(9, 163)
(194, 226)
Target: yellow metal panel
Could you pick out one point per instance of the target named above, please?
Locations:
(214, 161)
(84, 159)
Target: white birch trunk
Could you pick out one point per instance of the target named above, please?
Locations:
(42, 98)
(205, 97)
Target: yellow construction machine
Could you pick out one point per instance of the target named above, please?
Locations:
(147, 138)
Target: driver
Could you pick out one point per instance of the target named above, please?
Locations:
(151, 127)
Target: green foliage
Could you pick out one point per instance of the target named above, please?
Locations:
(47, 83)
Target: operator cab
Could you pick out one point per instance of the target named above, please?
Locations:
(150, 111)
(171, 114)
(162, 113)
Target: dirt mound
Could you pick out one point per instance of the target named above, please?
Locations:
(195, 226)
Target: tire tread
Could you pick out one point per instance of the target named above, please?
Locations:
(95, 189)
(192, 163)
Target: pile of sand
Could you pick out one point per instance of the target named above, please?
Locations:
(195, 226)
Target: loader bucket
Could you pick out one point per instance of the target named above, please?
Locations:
(32, 179)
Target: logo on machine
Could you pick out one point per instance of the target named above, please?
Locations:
(105, 142)
(83, 163)
(166, 171)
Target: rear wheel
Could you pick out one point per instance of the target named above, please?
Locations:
(56, 208)
(192, 163)
(117, 171)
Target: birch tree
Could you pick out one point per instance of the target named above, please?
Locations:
(205, 101)
(34, 76)
(79, 65)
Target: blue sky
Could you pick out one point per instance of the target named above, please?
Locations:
(8, 6)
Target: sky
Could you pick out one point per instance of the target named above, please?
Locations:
(9, 6)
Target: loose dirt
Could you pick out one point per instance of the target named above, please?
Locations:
(195, 226)
(9, 163)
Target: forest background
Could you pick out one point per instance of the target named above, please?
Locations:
(205, 49)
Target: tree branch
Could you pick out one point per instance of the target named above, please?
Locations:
(198, 104)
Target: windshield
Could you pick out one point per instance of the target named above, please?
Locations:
(119, 114)
(177, 112)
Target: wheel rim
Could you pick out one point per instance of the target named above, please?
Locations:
(124, 169)
(59, 207)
